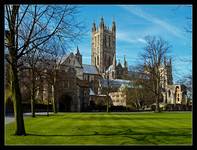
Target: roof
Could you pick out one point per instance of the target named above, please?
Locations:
(109, 68)
(91, 92)
(115, 83)
(89, 69)
(137, 75)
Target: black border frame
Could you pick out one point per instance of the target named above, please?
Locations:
(94, 2)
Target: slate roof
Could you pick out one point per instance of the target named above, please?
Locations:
(116, 83)
(109, 68)
(91, 92)
(89, 69)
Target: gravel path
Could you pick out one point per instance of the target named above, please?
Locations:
(9, 119)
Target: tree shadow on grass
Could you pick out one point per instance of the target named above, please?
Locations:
(127, 132)
(150, 137)
(122, 118)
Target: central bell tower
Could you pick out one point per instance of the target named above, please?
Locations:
(103, 45)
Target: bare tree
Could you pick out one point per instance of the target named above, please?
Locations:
(139, 94)
(154, 54)
(30, 24)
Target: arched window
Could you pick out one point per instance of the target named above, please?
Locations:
(109, 60)
(109, 42)
(95, 41)
(169, 93)
(105, 41)
(97, 60)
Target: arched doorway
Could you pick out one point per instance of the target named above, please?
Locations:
(65, 103)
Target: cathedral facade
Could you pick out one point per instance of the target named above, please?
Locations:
(77, 83)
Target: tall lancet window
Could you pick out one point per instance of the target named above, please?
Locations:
(97, 60)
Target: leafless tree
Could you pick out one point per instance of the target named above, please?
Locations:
(139, 93)
(154, 54)
(30, 24)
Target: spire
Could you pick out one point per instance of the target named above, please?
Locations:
(119, 64)
(78, 56)
(113, 25)
(78, 53)
(125, 62)
(165, 60)
(102, 23)
(94, 27)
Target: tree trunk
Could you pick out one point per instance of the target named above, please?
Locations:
(48, 105)
(33, 95)
(54, 100)
(157, 109)
(16, 96)
(33, 105)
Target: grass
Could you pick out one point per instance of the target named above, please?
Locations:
(171, 128)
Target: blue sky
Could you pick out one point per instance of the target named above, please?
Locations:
(133, 23)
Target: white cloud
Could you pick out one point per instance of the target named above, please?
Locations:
(164, 25)
(127, 37)
(141, 40)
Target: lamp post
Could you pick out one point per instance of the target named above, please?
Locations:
(107, 91)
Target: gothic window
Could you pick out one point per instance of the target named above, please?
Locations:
(98, 39)
(94, 41)
(113, 74)
(97, 60)
(105, 41)
(109, 42)
(109, 61)
(169, 93)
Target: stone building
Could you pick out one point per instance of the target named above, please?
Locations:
(172, 93)
(118, 98)
(77, 84)
(122, 71)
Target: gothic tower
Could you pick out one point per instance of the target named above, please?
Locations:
(169, 72)
(103, 45)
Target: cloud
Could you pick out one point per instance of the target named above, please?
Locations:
(141, 40)
(165, 25)
(127, 37)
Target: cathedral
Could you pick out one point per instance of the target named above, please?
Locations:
(77, 85)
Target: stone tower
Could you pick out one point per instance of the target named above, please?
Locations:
(103, 45)
(168, 66)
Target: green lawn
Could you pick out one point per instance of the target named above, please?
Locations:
(148, 128)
